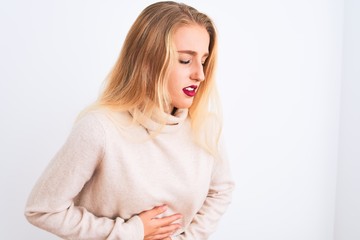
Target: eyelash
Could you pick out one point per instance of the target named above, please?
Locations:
(188, 61)
(184, 62)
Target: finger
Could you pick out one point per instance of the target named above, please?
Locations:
(154, 212)
(168, 229)
(157, 211)
(165, 231)
(161, 222)
(163, 236)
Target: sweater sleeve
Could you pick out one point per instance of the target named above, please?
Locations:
(219, 197)
(50, 205)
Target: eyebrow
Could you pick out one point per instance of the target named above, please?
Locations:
(193, 53)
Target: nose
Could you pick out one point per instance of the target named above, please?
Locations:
(198, 72)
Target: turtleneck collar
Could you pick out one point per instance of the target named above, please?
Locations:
(161, 121)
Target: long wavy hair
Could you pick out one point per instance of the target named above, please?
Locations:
(139, 78)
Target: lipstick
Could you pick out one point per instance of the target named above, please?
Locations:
(190, 90)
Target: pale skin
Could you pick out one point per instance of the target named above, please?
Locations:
(192, 44)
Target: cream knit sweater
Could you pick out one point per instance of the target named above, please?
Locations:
(108, 171)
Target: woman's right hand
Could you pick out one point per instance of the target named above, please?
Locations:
(159, 228)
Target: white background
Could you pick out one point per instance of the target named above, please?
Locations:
(289, 79)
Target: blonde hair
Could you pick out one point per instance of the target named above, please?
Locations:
(140, 76)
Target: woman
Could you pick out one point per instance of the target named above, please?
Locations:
(144, 161)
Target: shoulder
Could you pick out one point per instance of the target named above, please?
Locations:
(88, 120)
(103, 120)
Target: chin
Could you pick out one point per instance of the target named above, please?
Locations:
(183, 105)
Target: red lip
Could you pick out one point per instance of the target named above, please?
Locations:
(190, 90)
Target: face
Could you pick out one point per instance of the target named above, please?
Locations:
(192, 45)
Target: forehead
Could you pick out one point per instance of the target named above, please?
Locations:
(192, 38)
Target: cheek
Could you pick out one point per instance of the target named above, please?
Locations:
(173, 90)
(174, 83)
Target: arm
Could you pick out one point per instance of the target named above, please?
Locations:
(51, 203)
(215, 205)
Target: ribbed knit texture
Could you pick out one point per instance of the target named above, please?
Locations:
(109, 170)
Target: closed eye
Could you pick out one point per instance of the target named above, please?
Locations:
(184, 62)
